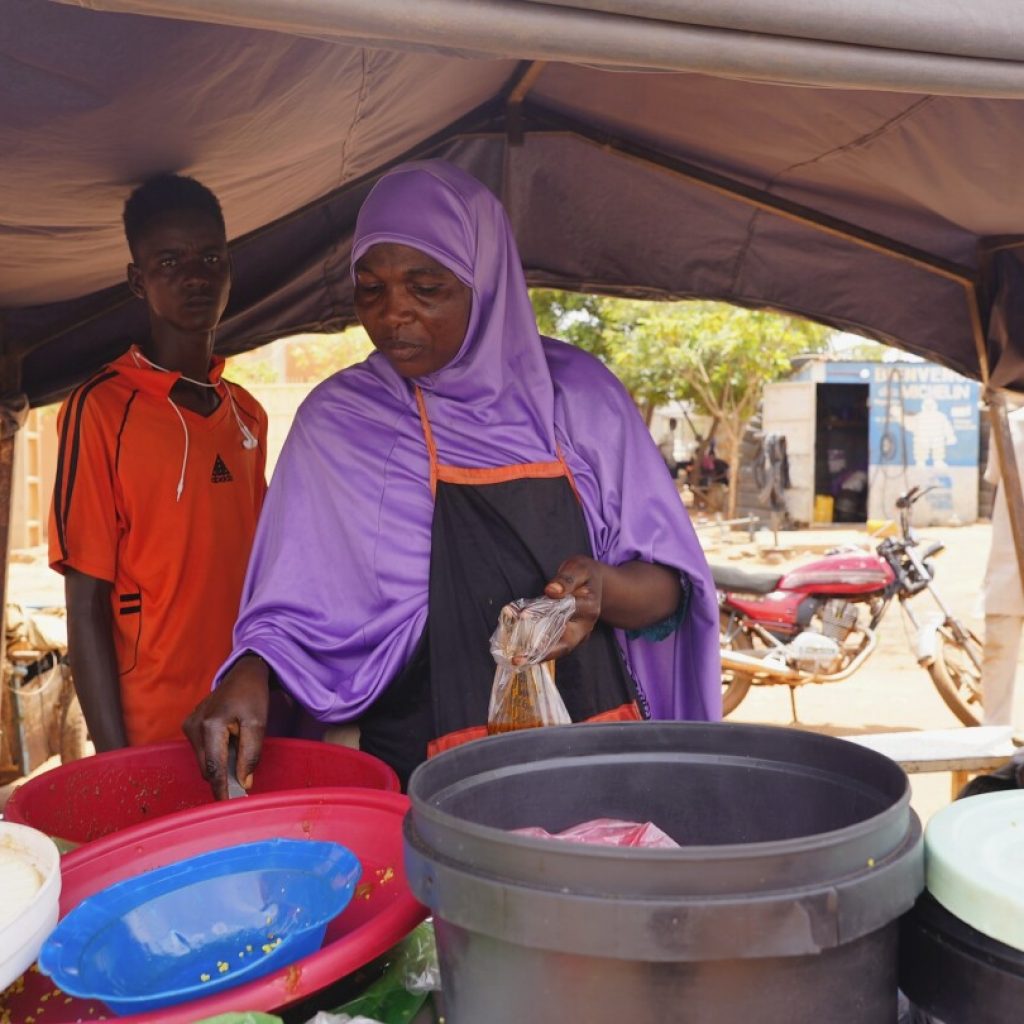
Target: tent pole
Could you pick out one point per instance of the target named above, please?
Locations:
(522, 82)
(1009, 471)
(13, 408)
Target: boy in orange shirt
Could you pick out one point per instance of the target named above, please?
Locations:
(160, 480)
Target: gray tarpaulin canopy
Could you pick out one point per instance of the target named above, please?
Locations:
(858, 163)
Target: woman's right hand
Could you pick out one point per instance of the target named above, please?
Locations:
(238, 707)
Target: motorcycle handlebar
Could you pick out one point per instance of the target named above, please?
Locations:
(911, 497)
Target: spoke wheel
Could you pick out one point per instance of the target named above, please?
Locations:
(956, 672)
(735, 685)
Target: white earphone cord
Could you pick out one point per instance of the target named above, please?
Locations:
(249, 440)
(184, 458)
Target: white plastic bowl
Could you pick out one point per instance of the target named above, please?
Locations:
(22, 938)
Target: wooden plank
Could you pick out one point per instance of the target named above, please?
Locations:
(954, 764)
(961, 752)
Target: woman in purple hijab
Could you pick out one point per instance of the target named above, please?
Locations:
(466, 463)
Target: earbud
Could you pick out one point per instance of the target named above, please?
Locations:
(248, 437)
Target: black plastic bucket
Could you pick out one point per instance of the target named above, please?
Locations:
(799, 853)
(955, 972)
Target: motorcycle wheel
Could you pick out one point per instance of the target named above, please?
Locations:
(735, 685)
(956, 671)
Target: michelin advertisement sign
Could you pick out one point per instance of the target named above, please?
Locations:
(923, 431)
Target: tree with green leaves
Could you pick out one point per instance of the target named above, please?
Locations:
(725, 356)
(715, 356)
(314, 357)
(301, 358)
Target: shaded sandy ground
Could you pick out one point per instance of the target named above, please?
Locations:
(890, 692)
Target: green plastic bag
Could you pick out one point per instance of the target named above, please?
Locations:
(400, 992)
(241, 1018)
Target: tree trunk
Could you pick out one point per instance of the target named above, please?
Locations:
(736, 427)
(734, 474)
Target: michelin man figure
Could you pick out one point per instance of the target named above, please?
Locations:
(933, 434)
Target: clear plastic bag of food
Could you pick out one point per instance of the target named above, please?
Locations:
(524, 695)
(609, 832)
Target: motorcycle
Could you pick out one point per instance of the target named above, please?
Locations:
(818, 623)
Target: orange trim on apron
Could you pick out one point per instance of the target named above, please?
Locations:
(623, 713)
(473, 476)
(455, 739)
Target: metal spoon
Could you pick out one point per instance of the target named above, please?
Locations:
(235, 788)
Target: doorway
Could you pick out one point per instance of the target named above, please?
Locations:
(841, 450)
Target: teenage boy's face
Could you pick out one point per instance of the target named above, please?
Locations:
(181, 270)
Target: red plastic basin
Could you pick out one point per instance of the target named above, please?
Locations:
(383, 911)
(85, 800)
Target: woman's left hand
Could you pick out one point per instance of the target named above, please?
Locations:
(634, 595)
(580, 577)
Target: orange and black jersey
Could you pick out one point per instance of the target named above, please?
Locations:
(162, 503)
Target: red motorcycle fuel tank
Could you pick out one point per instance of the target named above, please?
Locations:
(777, 612)
(850, 574)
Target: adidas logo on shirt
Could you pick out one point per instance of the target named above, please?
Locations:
(221, 474)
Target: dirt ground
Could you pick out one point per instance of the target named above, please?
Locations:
(890, 692)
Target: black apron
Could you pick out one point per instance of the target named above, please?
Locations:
(498, 534)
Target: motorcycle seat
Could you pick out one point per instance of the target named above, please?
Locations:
(728, 577)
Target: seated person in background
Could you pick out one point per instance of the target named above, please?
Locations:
(667, 447)
(160, 479)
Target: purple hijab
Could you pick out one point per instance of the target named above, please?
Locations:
(336, 593)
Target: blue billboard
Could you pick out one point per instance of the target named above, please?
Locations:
(921, 415)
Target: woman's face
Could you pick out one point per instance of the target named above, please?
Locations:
(415, 310)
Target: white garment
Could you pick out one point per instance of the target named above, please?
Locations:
(999, 667)
(1003, 594)
(1002, 588)
(667, 447)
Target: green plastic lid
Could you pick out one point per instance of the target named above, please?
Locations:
(974, 863)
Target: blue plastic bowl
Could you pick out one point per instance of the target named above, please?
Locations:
(202, 924)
